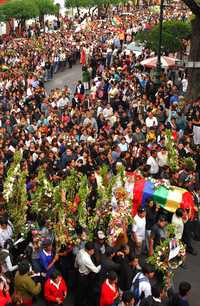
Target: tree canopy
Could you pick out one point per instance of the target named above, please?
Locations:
(193, 5)
(26, 9)
(19, 10)
(46, 7)
(78, 3)
(173, 34)
(194, 73)
(91, 3)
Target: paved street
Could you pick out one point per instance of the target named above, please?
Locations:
(67, 77)
(191, 274)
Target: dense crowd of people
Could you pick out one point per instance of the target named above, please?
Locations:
(116, 114)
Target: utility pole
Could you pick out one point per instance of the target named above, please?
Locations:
(158, 65)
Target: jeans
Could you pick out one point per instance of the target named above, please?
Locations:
(56, 66)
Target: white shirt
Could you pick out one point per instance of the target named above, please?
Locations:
(150, 122)
(5, 234)
(7, 265)
(139, 227)
(62, 102)
(84, 263)
(123, 147)
(57, 285)
(184, 84)
(29, 92)
(144, 286)
(128, 138)
(99, 110)
(107, 112)
(162, 159)
(179, 226)
(152, 162)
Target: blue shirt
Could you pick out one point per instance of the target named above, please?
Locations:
(174, 99)
(116, 43)
(35, 83)
(45, 259)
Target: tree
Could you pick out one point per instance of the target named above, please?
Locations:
(21, 10)
(194, 73)
(173, 34)
(46, 7)
(101, 5)
(78, 4)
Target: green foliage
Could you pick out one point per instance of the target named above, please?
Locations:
(64, 206)
(189, 163)
(14, 193)
(173, 159)
(171, 230)
(46, 7)
(19, 10)
(43, 194)
(92, 3)
(17, 206)
(78, 3)
(160, 258)
(82, 209)
(22, 10)
(11, 176)
(174, 31)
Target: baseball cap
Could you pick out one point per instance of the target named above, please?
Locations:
(140, 210)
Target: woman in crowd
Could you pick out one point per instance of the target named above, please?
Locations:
(55, 290)
(4, 293)
(46, 258)
(25, 286)
(109, 290)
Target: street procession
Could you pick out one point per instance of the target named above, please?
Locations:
(99, 152)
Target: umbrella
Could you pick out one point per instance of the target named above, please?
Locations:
(166, 62)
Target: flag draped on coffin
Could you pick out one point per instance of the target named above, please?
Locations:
(116, 21)
(170, 198)
(4, 68)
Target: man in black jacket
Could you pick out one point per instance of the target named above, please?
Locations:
(155, 298)
(180, 298)
(107, 264)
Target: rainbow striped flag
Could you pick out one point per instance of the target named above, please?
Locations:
(170, 197)
(116, 21)
(4, 68)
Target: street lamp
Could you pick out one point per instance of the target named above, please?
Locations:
(158, 65)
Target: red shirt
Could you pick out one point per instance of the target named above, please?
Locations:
(174, 134)
(108, 294)
(4, 298)
(53, 291)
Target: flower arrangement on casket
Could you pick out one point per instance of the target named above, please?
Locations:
(120, 216)
(64, 205)
(15, 195)
(179, 259)
(160, 259)
(167, 256)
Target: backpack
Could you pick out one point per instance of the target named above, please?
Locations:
(135, 288)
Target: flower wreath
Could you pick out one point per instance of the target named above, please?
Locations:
(160, 259)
